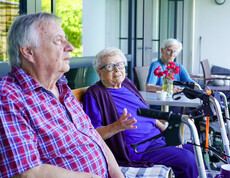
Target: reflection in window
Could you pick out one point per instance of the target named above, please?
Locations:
(9, 10)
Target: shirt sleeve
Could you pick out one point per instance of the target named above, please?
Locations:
(184, 76)
(153, 79)
(18, 150)
(91, 109)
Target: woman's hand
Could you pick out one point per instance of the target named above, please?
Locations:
(126, 123)
(179, 146)
(121, 124)
(176, 89)
(160, 125)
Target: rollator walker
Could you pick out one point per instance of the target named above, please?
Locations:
(214, 103)
(172, 133)
(210, 106)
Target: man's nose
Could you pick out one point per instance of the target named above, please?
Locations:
(69, 47)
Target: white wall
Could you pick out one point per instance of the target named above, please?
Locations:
(93, 37)
(212, 25)
(100, 25)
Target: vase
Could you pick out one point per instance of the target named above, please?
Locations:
(168, 86)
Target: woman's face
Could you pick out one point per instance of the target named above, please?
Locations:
(169, 54)
(113, 78)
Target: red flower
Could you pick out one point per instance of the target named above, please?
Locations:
(172, 64)
(160, 74)
(166, 73)
(177, 70)
(171, 69)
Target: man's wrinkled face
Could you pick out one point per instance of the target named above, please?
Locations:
(52, 52)
(169, 54)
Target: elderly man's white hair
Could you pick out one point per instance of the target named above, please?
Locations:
(107, 52)
(22, 33)
(171, 41)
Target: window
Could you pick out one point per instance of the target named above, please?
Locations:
(8, 11)
(70, 13)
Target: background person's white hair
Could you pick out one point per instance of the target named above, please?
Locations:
(22, 33)
(171, 41)
(107, 52)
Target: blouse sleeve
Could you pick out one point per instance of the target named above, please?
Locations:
(184, 76)
(153, 79)
(91, 109)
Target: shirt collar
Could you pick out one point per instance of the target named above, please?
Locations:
(28, 83)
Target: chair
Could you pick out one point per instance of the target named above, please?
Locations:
(131, 172)
(79, 93)
(140, 77)
(213, 82)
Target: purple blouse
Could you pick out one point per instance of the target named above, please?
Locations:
(124, 98)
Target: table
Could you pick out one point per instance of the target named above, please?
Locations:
(151, 99)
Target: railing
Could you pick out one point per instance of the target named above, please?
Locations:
(81, 71)
(4, 68)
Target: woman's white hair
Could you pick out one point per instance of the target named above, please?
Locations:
(22, 33)
(171, 41)
(107, 52)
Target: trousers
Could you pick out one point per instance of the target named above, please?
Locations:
(181, 160)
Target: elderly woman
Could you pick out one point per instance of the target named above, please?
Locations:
(170, 48)
(112, 106)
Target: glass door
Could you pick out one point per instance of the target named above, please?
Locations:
(175, 23)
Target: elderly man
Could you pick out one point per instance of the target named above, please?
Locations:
(44, 131)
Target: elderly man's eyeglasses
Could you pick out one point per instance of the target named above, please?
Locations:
(111, 67)
(173, 52)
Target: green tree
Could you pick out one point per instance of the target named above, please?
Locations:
(70, 13)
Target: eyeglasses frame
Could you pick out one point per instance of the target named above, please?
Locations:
(114, 65)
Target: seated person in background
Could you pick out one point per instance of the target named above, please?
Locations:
(44, 130)
(111, 102)
(169, 51)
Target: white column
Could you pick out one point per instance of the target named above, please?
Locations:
(93, 37)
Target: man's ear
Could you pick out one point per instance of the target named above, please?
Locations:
(27, 53)
(99, 73)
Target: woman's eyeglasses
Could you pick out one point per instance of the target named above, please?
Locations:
(111, 67)
(170, 51)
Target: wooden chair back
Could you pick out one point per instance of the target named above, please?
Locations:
(79, 93)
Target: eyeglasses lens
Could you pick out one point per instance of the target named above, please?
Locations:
(170, 51)
(111, 67)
